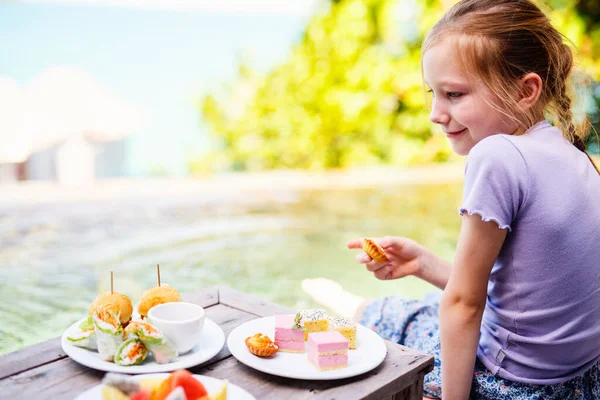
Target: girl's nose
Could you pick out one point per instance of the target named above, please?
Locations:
(438, 115)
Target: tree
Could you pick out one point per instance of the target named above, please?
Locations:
(350, 94)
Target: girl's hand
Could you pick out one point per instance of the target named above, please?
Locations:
(405, 257)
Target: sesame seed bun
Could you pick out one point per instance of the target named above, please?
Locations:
(157, 295)
(116, 302)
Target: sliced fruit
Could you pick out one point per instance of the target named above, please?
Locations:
(143, 394)
(112, 393)
(151, 383)
(161, 391)
(221, 394)
(192, 387)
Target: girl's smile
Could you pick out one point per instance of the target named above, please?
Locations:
(456, 134)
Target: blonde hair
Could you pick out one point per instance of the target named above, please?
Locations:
(499, 42)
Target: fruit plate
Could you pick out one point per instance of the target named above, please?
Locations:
(212, 385)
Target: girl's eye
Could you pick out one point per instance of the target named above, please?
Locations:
(453, 95)
(431, 91)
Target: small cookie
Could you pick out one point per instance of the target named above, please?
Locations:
(375, 251)
(261, 345)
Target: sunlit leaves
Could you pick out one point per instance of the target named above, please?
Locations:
(350, 93)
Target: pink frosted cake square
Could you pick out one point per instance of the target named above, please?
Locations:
(328, 350)
(288, 339)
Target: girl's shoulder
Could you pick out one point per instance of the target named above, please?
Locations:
(497, 150)
(542, 144)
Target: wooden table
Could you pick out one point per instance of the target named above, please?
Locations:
(43, 371)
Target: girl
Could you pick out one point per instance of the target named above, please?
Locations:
(519, 316)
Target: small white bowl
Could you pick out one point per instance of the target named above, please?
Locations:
(180, 322)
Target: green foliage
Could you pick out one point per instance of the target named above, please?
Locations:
(580, 22)
(297, 321)
(350, 93)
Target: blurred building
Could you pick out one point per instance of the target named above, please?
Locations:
(75, 161)
(64, 126)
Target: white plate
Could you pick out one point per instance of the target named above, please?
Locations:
(211, 384)
(210, 343)
(370, 352)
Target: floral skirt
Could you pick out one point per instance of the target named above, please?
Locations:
(415, 324)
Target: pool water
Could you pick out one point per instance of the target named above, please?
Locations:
(54, 259)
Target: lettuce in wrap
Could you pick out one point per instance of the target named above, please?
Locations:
(131, 352)
(154, 340)
(109, 333)
(84, 335)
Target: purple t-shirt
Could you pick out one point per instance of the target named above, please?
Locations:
(541, 323)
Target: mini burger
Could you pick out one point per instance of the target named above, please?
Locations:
(116, 302)
(157, 295)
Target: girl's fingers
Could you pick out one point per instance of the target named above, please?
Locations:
(355, 244)
(374, 266)
(383, 273)
(363, 258)
(386, 241)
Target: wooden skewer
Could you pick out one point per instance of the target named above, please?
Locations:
(112, 280)
(158, 272)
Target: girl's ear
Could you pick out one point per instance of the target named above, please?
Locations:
(531, 88)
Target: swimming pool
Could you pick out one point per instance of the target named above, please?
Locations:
(55, 258)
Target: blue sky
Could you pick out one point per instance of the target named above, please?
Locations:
(161, 60)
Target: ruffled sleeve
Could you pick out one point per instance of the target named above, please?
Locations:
(496, 181)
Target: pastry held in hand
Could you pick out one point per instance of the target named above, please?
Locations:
(261, 345)
(374, 251)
